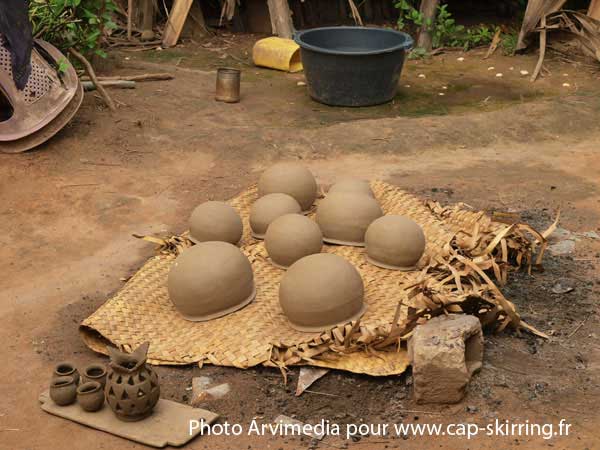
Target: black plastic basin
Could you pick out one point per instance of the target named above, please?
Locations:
(352, 66)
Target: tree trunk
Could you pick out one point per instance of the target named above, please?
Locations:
(281, 18)
(429, 11)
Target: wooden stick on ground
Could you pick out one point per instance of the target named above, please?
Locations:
(144, 77)
(90, 71)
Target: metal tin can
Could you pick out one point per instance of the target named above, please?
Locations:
(228, 85)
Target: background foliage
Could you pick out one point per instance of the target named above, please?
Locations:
(73, 23)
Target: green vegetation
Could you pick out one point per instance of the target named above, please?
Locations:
(445, 31)
(79, 24)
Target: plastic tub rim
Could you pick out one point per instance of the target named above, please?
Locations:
(406, 45)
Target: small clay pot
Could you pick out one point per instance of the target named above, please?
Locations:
(215, 221)
(268, 208)
(90, 396)
(290, 178)
(94, 372)
(292, 237)
(210, 280)
(395, 242)
(63, 390)
(352, 186)
(321, 291)
(66, 369)
(344, 217)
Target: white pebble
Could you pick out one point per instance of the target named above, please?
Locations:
(407, 85)
(300, 83)
(499, 75)
(461, 59)
(491, 68)
(444, 87)
(422, 75)
(524, 72)
(441, 93)
(566, 85)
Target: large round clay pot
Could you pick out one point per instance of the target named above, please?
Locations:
(292, 237)
(66, 369)
(395, 242)
(351, 186)
(215, 221)
(345, 217)
(268, 208)
(132, 387)
(90, 396)
(321, 291)
(290, 178)
(63, 390)
(210, 280)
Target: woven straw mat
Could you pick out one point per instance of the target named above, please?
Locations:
(450, 275)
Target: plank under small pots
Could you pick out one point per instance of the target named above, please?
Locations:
(132, 387)
(90, 396)
(94, 372)
(66, 369)
(63, 390)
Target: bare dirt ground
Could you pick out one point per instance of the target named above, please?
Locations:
(69, 208)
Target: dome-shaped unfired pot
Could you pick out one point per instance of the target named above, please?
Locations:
(292, 237)
(344, 218)
(321, 291)
(215, 221)
(290, 178)
(210, 280)
(268, 208)
(395, 242)
(352, 186)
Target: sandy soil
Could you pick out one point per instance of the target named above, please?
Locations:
(68, 211)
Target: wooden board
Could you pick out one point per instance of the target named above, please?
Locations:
(177, 18)
(168, 425)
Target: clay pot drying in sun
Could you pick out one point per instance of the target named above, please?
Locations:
(268, 208)
(215, 221)
(66, 369)
(292, 237)
(395, 242)
(94, 372)
(132, 389)
(63, 390)
(321, 291)
(210, 280)
(352, 186)
(290, 178)
(344, 218)
(90, 396)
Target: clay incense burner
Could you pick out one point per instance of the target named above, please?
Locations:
(94, 372)
(90, 396)
(63, 390)
(132, 388)
(66, 369)
(290, 178)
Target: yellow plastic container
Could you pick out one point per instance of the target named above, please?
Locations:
(277, 53)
